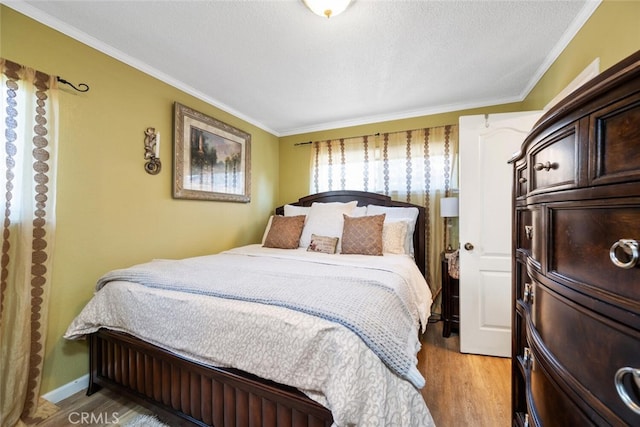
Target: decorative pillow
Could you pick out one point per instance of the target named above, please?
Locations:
(398, 214)
(393, 237)
(325, 219)
(359, 211)
(323, 244)
(362, 235)
(291, 210)
(284, 232)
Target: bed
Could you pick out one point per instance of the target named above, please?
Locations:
(277, 353)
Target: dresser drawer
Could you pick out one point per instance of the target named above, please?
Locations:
(580, 240)
(549, 403)
(521, 179)
(522, 279)
(554, 161)
(590, 349)
(538, 234)
(529, 232)
(615, 142)
(523, 230)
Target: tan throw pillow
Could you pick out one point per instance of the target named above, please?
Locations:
(323, 244)
(362, 235)
(285, 232)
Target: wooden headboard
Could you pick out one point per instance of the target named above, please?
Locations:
(363, 198)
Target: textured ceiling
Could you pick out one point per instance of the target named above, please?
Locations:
(288, 71)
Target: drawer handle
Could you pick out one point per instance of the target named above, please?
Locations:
(522, 180)
(528, 293)
(527, 357)
(528, 231)
(630, 247)
(622, 391)
(546, 166)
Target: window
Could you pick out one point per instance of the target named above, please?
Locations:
(417, 166)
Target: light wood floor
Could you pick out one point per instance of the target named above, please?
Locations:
(461, 390)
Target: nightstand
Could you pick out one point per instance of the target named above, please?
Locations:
(450, 300)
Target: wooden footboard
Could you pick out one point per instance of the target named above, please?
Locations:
(202, 394)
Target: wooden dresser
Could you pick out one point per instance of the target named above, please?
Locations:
(576, 274)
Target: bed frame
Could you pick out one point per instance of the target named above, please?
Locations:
(207, 395)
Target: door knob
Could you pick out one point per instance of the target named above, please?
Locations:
(468, 246)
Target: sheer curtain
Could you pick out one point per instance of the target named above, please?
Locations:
(27, 176)
(418, 166)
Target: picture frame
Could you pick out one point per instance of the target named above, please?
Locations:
(212, 159)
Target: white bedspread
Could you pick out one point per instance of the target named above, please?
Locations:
(323, 359)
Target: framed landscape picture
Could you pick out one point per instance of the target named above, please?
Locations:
(212, 160)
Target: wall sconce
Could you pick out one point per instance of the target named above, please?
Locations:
(152, 151)
(448, 209)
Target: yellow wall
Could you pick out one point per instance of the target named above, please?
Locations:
(110, 212)
(612, 33)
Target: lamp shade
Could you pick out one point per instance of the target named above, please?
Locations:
(327, 8)
(448, 207)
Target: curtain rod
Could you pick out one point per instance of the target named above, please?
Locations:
(82, 87)
(375, 134)
(311, 142)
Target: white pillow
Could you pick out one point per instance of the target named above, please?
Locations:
(266, 230)
(325, 219)
(394, 214)
(393, 237)
(359, 211)
(291, 210)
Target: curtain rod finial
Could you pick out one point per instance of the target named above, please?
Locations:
(82, 87)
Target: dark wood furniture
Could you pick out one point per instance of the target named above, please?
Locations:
(576, 280)
(204, 395)
(450, 305)
(208, 395)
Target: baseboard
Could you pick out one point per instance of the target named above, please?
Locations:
(69, 389)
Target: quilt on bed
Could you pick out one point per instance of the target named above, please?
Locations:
(328, 361)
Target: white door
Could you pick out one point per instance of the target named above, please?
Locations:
(486, 144)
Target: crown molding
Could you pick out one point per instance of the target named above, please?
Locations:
(569, 34)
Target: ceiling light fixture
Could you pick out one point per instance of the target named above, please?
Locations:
(327, 8)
